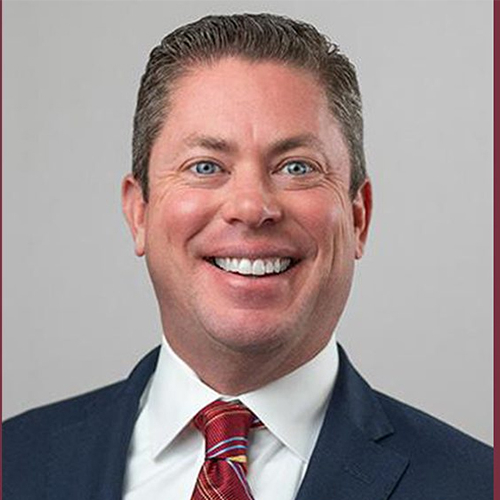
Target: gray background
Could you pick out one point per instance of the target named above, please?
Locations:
(78, 307)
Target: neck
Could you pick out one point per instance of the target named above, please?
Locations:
(233, 373)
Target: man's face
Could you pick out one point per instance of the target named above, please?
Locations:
(249, 233)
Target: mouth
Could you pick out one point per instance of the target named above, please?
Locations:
(254, 267)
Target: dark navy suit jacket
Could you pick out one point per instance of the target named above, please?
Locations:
(371, 447)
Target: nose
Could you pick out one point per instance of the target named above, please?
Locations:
(252, 201)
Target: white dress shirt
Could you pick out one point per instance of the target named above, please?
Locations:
(166, 452)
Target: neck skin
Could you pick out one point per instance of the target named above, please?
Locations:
(234, 372)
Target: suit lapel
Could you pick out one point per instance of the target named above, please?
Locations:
(88, 458)
(349, 462)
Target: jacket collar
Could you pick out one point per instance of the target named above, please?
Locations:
(88, 457)
(349, 461)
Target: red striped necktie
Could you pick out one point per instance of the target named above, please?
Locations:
(223, 474)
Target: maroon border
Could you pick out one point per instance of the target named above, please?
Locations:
(496, 237)
(1, 225)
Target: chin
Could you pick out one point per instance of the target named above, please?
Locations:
(251, 336)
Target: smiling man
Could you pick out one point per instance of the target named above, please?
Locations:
(250, 201)
(249, 230)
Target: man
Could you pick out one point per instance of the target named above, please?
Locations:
(250, 201)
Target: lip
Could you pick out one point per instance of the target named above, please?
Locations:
(247, 292)
(253, 252)
(246, 277)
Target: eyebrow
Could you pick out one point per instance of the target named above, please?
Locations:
(209, 142)
(299, 141)
(278, 147)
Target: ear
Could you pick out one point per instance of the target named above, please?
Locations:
(362, 213)
(134, 209)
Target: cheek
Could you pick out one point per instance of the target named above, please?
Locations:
(191, 206)
(325, 216)
(181, 215)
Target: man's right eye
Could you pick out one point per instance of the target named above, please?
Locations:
(205, 168)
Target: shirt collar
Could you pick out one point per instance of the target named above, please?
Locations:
(176, 394)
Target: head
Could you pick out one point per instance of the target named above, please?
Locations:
(253, 37)
(243, 197)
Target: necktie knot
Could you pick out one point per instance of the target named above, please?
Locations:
(223, 474)
(225, 426)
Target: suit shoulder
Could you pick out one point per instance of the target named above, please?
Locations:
(39, 420)
(60, 432)
(33, 426)
(424, 425)
(26, 440)
(456, 461)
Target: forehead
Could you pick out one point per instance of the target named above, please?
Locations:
(250, 104)
(242, 86)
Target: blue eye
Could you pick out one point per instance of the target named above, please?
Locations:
(205, 168)
(297, 168)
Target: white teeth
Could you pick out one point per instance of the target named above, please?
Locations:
(269, 267)
(220, 263)
(257, 267)
(245, 267)
(277, 265)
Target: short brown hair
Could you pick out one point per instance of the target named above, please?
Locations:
(254, 37)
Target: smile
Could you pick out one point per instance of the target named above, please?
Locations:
(253, 267)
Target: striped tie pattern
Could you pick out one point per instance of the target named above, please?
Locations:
(223, 474)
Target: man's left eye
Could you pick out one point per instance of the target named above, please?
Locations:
(205, 168)
(296, 168)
